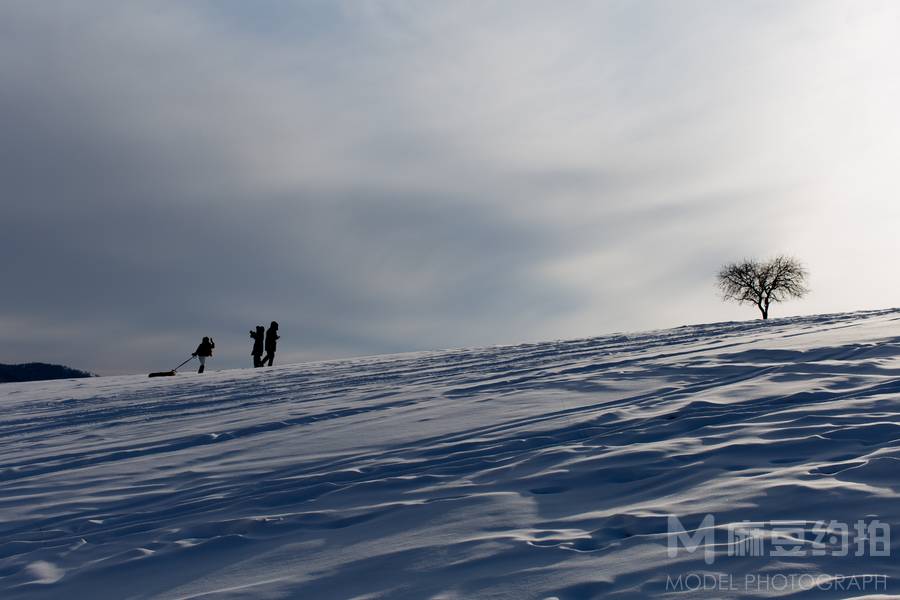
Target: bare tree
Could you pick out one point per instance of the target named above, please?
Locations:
(761, 283)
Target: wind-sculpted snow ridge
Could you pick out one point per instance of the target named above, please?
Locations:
(536, 471)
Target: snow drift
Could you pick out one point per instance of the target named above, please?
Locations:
(536, 471)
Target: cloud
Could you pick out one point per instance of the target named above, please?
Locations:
(387, 176)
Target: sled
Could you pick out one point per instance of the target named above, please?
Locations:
(172, 372)
(162, 374)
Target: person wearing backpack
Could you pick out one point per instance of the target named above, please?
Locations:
(258, 338)
(271, 343)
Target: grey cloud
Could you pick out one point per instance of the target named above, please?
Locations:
(376, 176)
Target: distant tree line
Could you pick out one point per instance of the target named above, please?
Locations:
(38, 371)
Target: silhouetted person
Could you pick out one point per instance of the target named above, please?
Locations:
(271, 342)
(258, 337)
(204, 351)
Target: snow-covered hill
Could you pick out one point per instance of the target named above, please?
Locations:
(534, 471)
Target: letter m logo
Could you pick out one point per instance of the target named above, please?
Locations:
(704, 536)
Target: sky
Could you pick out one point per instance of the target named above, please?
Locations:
(389, 176)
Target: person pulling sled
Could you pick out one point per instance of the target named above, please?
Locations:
(204, 351)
